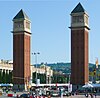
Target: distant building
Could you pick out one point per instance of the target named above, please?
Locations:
(6, 69)
(6, 66)
(79, 46)
(43, 69)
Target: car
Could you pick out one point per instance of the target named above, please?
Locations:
(66, 93)
(25, 96)
(55, 93)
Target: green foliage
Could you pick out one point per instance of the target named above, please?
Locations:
(33, 77)
(59, 79)
(10, 77)
(0, 76)
(5, 77)
(42, 77)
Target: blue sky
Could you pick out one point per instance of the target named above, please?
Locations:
(50, 20)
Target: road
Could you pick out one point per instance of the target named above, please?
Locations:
(75, 96)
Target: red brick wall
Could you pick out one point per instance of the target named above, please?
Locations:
(27, 56)
(21, 58)
(79, 56)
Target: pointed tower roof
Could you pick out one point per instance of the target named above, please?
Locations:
(21, 15)
(78, 8)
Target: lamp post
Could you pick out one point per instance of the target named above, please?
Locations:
(31, 69)
(95, 70)
(69, 78)
(36, 53)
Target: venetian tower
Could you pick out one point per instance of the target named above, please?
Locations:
(21, 50)
(79, 46)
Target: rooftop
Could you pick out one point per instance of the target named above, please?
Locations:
(21, 15)
(78, 8)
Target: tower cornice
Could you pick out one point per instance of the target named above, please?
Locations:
(82, 27)
(19, 32)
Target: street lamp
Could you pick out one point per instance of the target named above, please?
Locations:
(36, 53)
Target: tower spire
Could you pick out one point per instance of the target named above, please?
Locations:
(21, 15)
(78, 8)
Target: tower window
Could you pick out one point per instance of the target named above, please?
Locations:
(27, 25)
(76, 19)
(18, 24)
(86, 19)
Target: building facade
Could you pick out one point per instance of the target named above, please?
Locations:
(42, 70)
(79, 46)
(21, 50)
(6, 72)
(6, 69)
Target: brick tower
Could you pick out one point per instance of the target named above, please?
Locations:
(79, 46)
(21, 51)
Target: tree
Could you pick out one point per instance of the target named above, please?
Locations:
(3, 77)
(10, 77)
(0, 76)
(33, 77)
